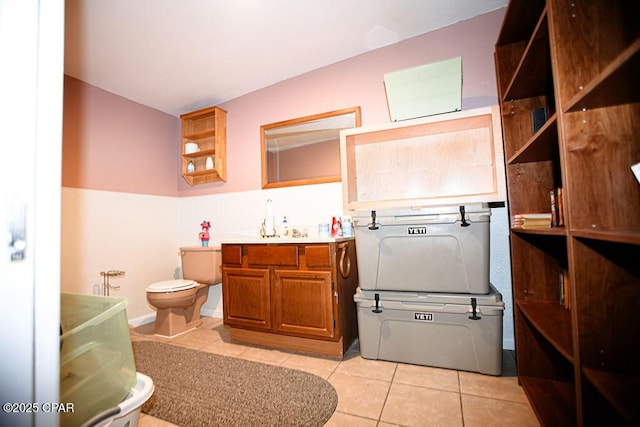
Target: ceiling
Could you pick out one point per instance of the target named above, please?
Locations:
(180, 55)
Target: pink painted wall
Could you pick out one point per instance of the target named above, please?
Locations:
(355, 81)
(111, 143)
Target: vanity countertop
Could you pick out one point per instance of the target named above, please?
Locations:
(283, 240)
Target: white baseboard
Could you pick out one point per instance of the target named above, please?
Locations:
(142, 320)
(211, 313)
(151, 317)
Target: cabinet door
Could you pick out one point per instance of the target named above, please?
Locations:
(303, 303)
(246, 297)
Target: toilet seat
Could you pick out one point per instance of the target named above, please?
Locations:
(172, 285)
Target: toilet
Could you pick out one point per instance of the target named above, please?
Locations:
(178, 302)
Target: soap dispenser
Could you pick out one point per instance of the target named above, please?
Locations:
(285, 227)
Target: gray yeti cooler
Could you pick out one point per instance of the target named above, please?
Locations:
(433, 249)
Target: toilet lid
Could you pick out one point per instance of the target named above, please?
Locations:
(171, 286)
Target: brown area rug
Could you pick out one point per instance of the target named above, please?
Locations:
(196, 388)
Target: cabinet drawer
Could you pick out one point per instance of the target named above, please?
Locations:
(272, 255)
(318, 255)
(231, 254)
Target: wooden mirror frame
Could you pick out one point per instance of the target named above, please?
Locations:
(298, 125)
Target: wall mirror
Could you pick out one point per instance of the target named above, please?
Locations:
(305, 150)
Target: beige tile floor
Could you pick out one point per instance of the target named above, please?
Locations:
(380, 393)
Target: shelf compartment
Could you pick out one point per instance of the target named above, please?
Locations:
(520, 19)
(553, 321)
(605, 89)
(621, 391)
(537, 260)
(529, 185)
(519, 132)
(600, 147)
(608, 32)
(553, 401)
(204, 144)
(607, 289)
(532, 76)
(198, 124)
(543, 145)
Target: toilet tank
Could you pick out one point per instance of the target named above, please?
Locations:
(201, 264)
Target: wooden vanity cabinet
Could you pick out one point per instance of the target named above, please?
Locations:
(291, 296)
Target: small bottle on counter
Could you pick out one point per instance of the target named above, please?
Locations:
(323, 229)
(336, 227)
(347, 226)
(285, 227)
(269, 226)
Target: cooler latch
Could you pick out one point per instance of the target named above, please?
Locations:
(464, 220)
(373, 225)
(377, 309)
(474, 310)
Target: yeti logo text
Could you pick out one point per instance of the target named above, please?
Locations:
(428, 317)
(417, 230)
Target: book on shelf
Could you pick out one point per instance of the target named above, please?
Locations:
(565, 292)
(557, 207)
(531, 220)
(539, 117)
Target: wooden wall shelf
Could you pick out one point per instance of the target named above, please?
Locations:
(207, 129)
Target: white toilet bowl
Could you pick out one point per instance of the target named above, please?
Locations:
(178, 302)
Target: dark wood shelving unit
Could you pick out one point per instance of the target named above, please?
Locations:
(578, 363)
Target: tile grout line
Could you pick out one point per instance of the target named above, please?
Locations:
(395, 369)
(460, 398)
